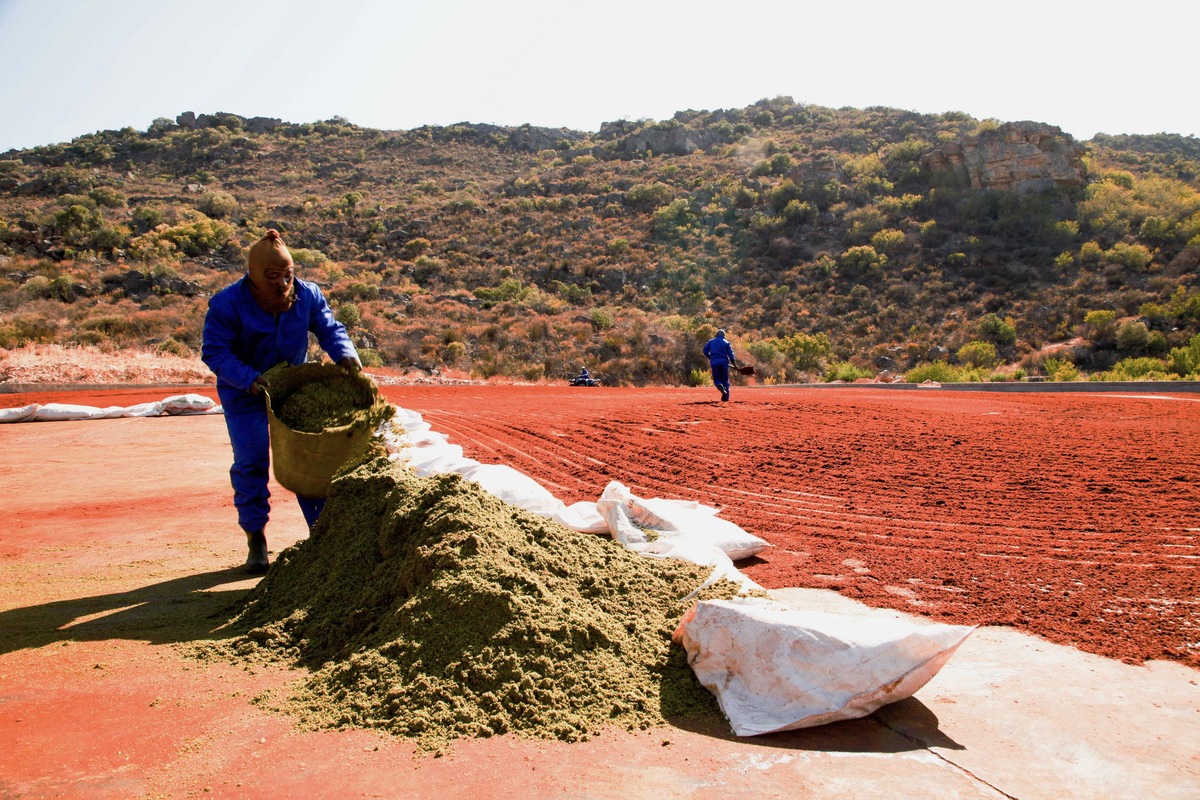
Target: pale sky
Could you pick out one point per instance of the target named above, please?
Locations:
(72, 67)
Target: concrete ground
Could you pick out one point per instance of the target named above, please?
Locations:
(117, 546)
(1011, 715)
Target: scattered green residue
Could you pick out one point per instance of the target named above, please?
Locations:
(429, 608)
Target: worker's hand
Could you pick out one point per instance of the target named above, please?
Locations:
(351, 365)
(259, 386)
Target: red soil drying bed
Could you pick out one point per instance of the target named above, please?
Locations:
(1073, 516)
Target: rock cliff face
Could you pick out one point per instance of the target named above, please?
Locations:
(190, 120)
(1017, 157)
(679, 140)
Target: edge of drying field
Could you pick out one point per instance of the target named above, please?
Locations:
(1127, 387)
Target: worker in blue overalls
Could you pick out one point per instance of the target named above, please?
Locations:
(251, 326)
(719, 353)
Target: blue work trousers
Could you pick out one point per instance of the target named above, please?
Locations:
(251, 459)
(720, 373)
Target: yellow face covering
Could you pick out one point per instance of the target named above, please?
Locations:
(272, 274)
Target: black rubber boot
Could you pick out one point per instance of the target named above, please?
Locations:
(256, 559)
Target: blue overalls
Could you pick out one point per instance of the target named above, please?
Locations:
(241, 341)
(719, 353)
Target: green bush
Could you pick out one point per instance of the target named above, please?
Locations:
(1133, 337)
(1132, 256)
(846, 371)
(174, 347)
(1158, 231)
(800, 212)
(805, 351)
(941, 372)
(766, 223)
(1142, 368)
(37, 287)
(370, 358)
(673, 216)
(601, 319)
(1185, 361)
(107, 197)
(303, 257)
(348, 314)
(618, 246)
(415, 247)
(218, 204)
(783, 194)
(196, 234)
(980, 355)
(508, 290)
(1000, 332)
(860, 260)
(146, 218)
(648, 195)
(1061, 369)
(888, 240)
(1100, 325)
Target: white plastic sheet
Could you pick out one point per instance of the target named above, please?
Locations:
(176, 405)
(775, 668)
(19, 413)
(513, 486)
(634, 521)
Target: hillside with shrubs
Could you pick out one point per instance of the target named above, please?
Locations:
(832, 244)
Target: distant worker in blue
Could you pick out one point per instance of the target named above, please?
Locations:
(719, 353)
(251, 326)
(584, 378)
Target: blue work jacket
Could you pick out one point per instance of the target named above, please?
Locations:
(718, 351)
(241, 341)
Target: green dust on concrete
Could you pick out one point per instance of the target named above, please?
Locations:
(430, 609)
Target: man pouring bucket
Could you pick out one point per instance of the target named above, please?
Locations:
(260, 321)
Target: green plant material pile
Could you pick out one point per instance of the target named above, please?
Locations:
(429, 608)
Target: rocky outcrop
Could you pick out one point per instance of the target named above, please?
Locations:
(820, 170)
(1019, 157)
(668, 138)
(534, 139)
(192, 121)
(139, 285)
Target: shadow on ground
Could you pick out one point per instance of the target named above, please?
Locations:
(179, 610)
(905, 726)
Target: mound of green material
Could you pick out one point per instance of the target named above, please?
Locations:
(431, 609)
